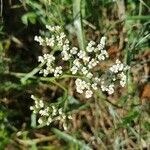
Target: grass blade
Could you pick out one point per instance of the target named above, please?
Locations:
(71, 139)
(78, 22)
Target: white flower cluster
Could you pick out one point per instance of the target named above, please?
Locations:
(49, 114)
(117, 73)
(80, 63)
(119, 69)
(39, 39)
(55, 38)
(118, 66)
(54, 28)
(107, 88)
(50, 67)
(82, 85)
(38, 104)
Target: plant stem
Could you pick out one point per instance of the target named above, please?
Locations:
(32, 73)
(23, 75)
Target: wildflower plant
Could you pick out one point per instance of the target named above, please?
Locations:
(65, 60)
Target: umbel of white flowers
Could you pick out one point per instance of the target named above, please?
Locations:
(81, 63)
(73, 62)
(49, 114)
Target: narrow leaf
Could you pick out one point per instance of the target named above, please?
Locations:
(71, 139)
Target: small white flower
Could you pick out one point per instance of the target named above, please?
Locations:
(39, 39)
(84, 70)
(40, 121)
(92, 63)
(101, 45)
(65, 126)
(79, 90)
(66, 41)
(110, 89)
(81, 54)
(62, 35)
(77, 63)
(57, 28)
(31, 108)
(117, 67)
(65, 55)
(96, 79)
(88, 94)
(43, 112)
(53, 28)
(74, 69)
(70, 117)
(89, 75)
(58, 71)
(50, 59)
(40, 59)
(104, 88)
(74, 50)
(41, 104)
(60, 111)
(66, 47)
(118, 61)
(54, 112)
(104, 52)
(50, 28)
(80, 85)
(86, 59)
(122, 79)
(50, 69)
(103, 40)
(41, 71)
(120, 67)
(90, 47)
(94, 86)
(122, 83)
(50, 42)
(49, 121)
(33, 97)
(114, 79)
(101, 57)
(92, 43)
(45, 72)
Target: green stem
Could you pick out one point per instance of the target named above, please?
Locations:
(23, 75)
(65, 92)
(32, 73)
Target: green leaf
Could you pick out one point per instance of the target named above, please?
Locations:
(29, 17)
(138, 17)
(34, 4)
(72, 100)
(131, 117)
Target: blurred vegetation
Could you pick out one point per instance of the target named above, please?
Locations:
(121, 121)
